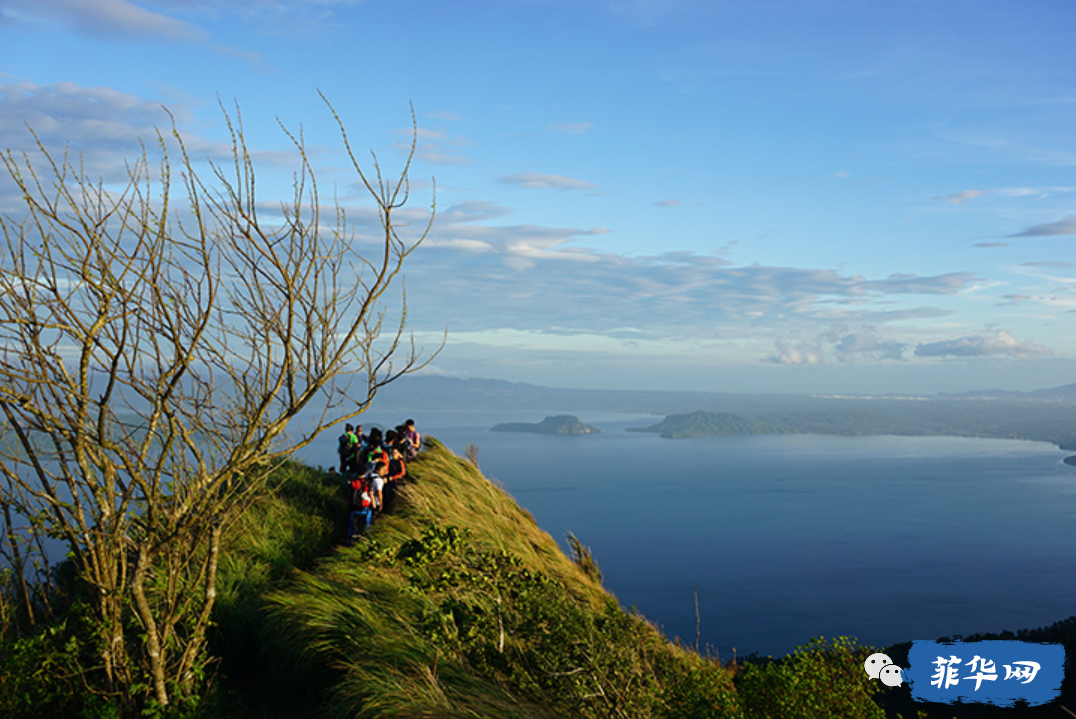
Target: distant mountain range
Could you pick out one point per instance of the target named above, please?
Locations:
(1047, 415)
(446, 393)
(431, 392)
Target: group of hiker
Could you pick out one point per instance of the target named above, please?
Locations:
(372, 467)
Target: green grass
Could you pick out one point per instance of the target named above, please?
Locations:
(458, 605)
(295, 522)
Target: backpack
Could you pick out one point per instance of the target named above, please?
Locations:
(379, 459)
(359, 498)
(344, 446)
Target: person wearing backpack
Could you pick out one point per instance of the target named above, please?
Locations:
(413, 436)
(346, 447)
(397, 470)
(360, 507)
(376, 484)
(397, 466)
(403, 445)
(377, 460)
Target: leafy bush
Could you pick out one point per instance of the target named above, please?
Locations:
(36, 677)
(820, 679)
(701, 690)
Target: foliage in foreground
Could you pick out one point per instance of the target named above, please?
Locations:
(821, 679)
(456, 605)
(53, 670)
(159, 334)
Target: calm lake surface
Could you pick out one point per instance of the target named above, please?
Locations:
(789, 537)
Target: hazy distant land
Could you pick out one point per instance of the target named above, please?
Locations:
(563, 424)
(1047, 415)
(937, 418)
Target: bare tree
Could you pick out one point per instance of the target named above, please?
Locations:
(157, 338)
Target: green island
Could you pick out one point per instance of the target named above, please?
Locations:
(1005, 420)
(702, 424)
(559, 424)
(1054, 423)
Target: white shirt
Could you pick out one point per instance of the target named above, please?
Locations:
(377, 483)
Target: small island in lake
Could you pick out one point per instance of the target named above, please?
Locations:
(702, 424)
(561, 424)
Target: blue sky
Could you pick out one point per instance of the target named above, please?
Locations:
(831, 196)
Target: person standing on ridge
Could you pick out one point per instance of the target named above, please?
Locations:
(376, 483)
(412, 435)
(347, 446)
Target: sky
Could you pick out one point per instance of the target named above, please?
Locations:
(840, 196)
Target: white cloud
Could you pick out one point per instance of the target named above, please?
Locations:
(472, 211)
(1039, 192)
(475, 275)
(86, 117)
(862, 345)
(1050, 229)
(999, 343)
(1014, 299)
(959, 197)
(947, 284)
(526, 277)
(252, 5)
(547, 182)
(668, 203)
(435, 146)
(1054, 264)
(109, 19)
(858, 314)
(461, 243)
(795, 354)
(103, 128)
(97, 125)
(865, 344)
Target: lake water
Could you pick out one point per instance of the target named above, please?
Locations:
(789, 537)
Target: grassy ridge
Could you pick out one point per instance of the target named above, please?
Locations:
(458, 605)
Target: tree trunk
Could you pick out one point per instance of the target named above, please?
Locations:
(18, 567)
(197, 641)
(154, 652)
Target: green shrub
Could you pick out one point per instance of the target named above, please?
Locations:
(702, 689)
(820, 679)
(36, 677)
